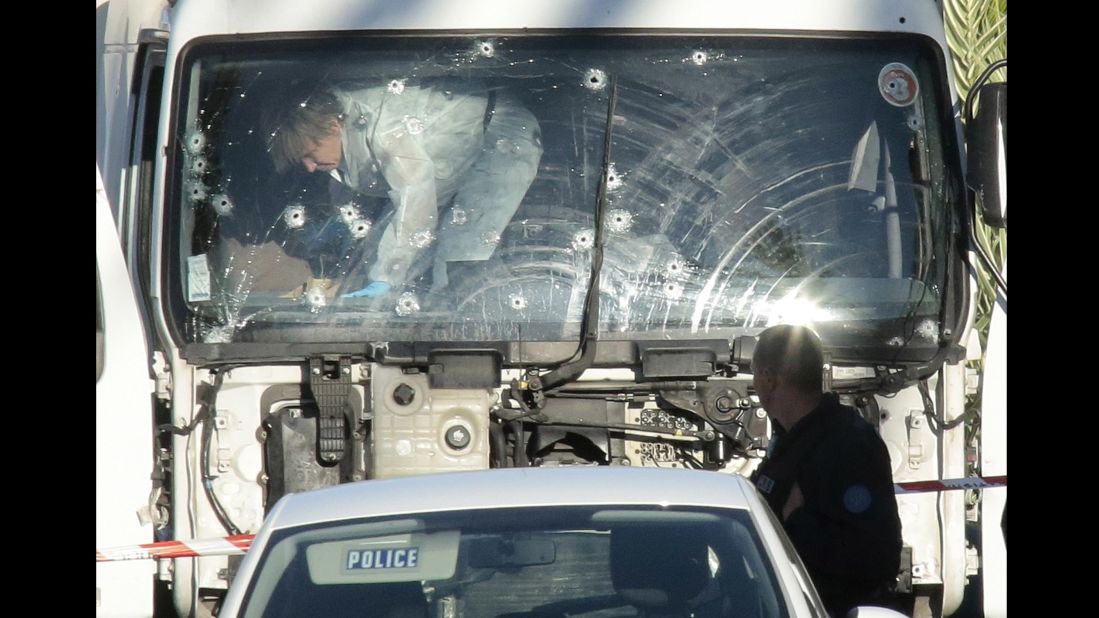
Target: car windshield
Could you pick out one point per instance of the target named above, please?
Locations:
(439, 188)
(602, 561)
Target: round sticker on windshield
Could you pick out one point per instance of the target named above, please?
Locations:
(897, 84)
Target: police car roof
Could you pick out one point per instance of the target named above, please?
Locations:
(514, 488)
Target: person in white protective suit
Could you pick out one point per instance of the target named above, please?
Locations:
(441, 150)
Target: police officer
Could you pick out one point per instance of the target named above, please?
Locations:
(827, 475)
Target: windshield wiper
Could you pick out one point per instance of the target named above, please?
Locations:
(530, 391)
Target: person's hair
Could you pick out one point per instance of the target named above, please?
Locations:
(793, 352)
(297, 117)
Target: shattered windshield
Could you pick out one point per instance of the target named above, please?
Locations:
(444, 188)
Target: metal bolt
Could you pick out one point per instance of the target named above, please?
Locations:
(263, 478)
(724, 404)
(346, 371)
(947, 332)
(760, 413)
(458, 437)
(404, 394)
(316, 371)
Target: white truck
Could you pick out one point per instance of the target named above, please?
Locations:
(703, 170)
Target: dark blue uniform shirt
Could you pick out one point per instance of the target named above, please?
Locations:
(847, 532)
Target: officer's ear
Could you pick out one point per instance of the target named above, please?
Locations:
(764, 373)
(763, 378)
(334, 126)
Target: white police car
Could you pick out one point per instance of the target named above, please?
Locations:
(577, 541)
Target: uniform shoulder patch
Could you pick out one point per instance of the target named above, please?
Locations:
(857, 499)
(765, 483)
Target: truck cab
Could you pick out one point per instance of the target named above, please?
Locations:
(596, 208)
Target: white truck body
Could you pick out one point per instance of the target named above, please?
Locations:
(123, 450)
(150, 91)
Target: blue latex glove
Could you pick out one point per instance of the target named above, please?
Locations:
(374, 290)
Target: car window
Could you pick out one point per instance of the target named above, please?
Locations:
(522, 562)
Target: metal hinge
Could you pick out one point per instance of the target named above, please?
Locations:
(916, 454)
(972, 381)
(972, 561)
(162, 374)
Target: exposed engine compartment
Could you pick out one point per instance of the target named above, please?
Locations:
(278, 429)
(291, 426)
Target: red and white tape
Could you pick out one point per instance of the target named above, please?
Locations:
(973, 482)
(239, 544)
(223, 546)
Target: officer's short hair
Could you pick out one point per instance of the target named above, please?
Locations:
(794, 352)
(297, 117)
